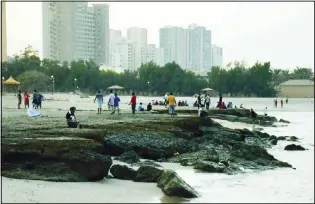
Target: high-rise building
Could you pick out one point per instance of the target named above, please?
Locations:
(4, 32)
(155, 54)
(174, 42)
(139, 36)
(125, 49)
(217, 56)
(72, 31)
(199, 48)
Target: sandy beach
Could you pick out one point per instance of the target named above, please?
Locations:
(213, 187)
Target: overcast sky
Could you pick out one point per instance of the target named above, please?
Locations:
(280, 32)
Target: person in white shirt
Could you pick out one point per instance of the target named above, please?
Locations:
(140, 108)
(207, 101)
(111, 100)
(165, 100)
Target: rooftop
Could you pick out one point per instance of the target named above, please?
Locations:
(298, 82)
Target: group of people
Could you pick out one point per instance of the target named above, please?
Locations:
(203, 101)
(36, 102)
(275, 102)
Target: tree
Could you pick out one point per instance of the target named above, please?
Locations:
(31, 80)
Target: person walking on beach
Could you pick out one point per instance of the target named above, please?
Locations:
(281, 102)
(133, 103)
(116, 104)
(40, 98)
(199, 101)
(26, 99)
(99, 99)
(111, 100)
(165, 100)
(19, 96)
(207, 101)
(286, 100)
(171, 104)
(35, 99)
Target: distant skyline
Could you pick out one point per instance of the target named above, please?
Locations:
(279, 32)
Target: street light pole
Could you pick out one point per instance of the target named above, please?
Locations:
(148, 87)
(53, 84)
(75, 84)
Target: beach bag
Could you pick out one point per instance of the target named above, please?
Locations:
(32, 112)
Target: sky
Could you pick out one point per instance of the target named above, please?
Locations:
(279, 32)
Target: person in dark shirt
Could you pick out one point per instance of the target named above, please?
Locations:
(35, 99)
(199, 101)
(149, 107)
(40, 98)
(71, 120)
(116, 104)
(253, 114)
(19, 99)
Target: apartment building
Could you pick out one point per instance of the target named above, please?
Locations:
(139, 36)
(198, 48)
(217, 56)
(173, 40)
(155, 54)
(73, 30)
(126, 51)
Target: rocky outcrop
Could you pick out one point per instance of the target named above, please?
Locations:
(209, 166)
(242, 112)
(123, 172)
(173, 185)
(283, 121)
(294, 147)
(261, 120)
(147, 174)
(129, 157)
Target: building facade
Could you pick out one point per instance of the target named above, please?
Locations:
(199, 48)
(217, 56)
(3, 32)
(139, 36)
(296, 89)
(173, 40)
(155, 54)
(73, 31)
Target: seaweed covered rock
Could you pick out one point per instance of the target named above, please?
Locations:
(147, 174)
(129, 157)
(149, 163)
(284, 121)
(123, 172)
(294, 147)
(262, 121)
(209, 166)
(173, 185)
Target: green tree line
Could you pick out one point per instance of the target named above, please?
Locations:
(238, 80)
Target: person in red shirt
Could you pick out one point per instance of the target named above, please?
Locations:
(133, 103)
(281, 102)
(26, 99)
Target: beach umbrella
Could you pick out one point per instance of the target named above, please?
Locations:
(207, 89)
(116, 87)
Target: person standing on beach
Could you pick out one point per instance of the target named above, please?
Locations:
(35, 99)
(133, 103)
(19, 96)
(26, 99)
(40, 98)
(286, 100)
(281, 102)
(99, 99)
(111, 100)
(207, 101)
(165, 100)
(171, 104)
(116, 104)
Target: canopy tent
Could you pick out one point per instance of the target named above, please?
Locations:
(207, 89)
(10, 81)
(115, 87)
(210, 91)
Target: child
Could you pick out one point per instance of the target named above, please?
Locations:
(116, 104)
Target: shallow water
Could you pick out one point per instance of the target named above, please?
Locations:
(280, 185)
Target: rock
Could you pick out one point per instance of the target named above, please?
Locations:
(261, 134)
(274, 141)
(283, 121)
(123, 172)
(149, 163)
(281, 138)
(272, 137)
(129, 157)
(89, 165)
(173, 185)
(292, 138)
(209, 166)
(147, 174)
(293, 147)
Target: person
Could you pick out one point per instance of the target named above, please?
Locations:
(281, 102)
(199, 101)
(265, 111)
(140, 108)
(171, 103)
(202, 113)
(149, 107)
(116, 104)
(40, 98)
(71, 120)
(220, 100)
(186, 104)
(26, 99)
(111, 99)
(276, 103)
(223, 106)
(241, 106)
(19, 96)
(208, 101)
(165, 100)
(99, 99)
(133, 103)
(253, 114)
(35, 99)
(286, 100)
